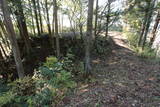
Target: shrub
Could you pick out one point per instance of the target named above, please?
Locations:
(70, 64)
(49, 84)
(132, 38)
(147, 52)
(101, 45)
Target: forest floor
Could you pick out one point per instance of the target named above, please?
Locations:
(121, 79)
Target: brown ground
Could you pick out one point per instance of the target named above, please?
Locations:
(122, 80)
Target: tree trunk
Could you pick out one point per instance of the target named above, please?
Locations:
(96, 19)
(53, 31)
(56, 28)
(149, 17)
(62, 23)
(48, 21)
(143, 28)
(36, 16)
(155, 29)
(12, 37)
(22, 25)
(88, 38)
(3, 50)
(6, 50)
(108, 17)
(40, 17)
(5, 34)
(1, 56)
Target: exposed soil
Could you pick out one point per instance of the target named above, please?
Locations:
(121, 80)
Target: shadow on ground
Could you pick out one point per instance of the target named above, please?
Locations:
(121, 80)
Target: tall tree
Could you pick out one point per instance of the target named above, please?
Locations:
(32, 16)
(40, 16)
(36, 15)
(5, 37)
(12, 37)
(108, 17)
(149, 17)
(88, 38)
(96, 18)
(48, 19)
(155, 28)
(56, 28)
(3, 50)
(22, 24)
(1, 56)
(4, 47)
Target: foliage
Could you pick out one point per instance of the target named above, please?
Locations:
(100, 45)
(48, 86)
(146, 52)
(70, 64)
(132, 38)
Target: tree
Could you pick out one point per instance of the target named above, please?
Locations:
(5, 38)
(12, 37)
(88, 37)
(36, 15)
(96, 18)
(149, 16)
(1, 56)
(40, 17)
(22, 24)
(32, 16)
(155, 28)
(56, 28)
(108, 17)
(48, 20)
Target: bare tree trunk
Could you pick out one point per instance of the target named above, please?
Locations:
(3, 50)
(4, 43)
(56, 28)
(155, 29)
(59, 23)
(5, 34)
(53, 32)
(62, 23)
(40, 17)
(48, 21)
(36, 15)
(1, 56)
(89, 38)
(149, 17)
(142, 32)
(12, 37)
(22, 25)
(96, 19)
(108, 17)
(33, 29)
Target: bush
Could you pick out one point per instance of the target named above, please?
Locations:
(48, 86)
(132, 38)
(101, 45)
(147, 52)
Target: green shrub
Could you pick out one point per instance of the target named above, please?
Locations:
(70, 64)
(132, 38)
(101, 45)
(6, 98)
(146, 52)
(49, 84)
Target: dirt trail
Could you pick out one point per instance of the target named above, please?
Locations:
(122, 80)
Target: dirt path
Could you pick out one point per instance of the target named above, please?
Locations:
(122, 80)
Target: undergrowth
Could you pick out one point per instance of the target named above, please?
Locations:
(146, 53)
(47, 87)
